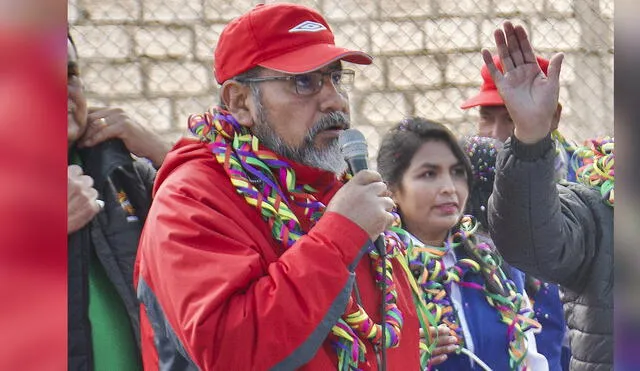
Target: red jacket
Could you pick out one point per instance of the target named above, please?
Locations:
(216, 295)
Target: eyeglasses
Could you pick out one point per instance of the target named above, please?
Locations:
(312, 82)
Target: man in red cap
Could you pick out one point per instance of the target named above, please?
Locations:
(255, 255)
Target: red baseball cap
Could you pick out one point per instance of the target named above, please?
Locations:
(488, 95)
(284, 37)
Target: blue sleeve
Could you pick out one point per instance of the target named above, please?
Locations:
(517, 276)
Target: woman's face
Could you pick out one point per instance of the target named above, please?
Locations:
(433, 192)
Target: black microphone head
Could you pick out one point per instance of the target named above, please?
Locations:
(353, 144)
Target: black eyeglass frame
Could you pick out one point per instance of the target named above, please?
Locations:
(316, 88)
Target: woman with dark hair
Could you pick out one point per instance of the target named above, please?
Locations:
(464, 285)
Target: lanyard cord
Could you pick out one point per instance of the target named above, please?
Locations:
(382, 250)
(381, 354)
(383, 289)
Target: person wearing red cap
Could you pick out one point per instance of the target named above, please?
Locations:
(256, 255)
(562, 233)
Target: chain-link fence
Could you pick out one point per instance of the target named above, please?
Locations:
(154, 57)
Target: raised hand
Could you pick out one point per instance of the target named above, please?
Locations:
(529, 95)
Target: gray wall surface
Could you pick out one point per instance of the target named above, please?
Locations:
(154, 57)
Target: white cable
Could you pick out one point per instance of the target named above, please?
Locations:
(475, 358)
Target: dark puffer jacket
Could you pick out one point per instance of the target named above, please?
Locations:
(114, 234)
(562, 234)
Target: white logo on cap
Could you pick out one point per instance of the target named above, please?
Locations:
(308, 26)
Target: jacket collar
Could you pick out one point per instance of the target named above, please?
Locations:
(100, 160)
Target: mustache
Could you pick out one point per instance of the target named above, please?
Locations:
(333, 120)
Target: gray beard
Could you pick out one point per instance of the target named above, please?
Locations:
(328, 158)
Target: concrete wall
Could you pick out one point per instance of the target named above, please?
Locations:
(154, 57)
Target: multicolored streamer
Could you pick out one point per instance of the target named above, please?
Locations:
(594, 163)
(426, 265)
(269, 184)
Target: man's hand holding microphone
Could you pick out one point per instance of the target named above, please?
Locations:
(365, 199)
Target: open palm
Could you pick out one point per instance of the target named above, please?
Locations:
(529, 95)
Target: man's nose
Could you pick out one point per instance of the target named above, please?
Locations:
(332, 98)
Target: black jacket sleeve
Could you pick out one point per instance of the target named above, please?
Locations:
(540, 227)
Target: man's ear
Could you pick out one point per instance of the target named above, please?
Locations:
(556, 118)
(237, 98)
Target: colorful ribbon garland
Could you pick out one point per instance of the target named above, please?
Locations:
(428, 268)
(269, 184)
(594, 163)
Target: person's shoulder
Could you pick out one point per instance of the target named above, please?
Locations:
(568, 188)
(187, 149)
(575, 193)
(191, 166)
(188, 153)
(192, 182)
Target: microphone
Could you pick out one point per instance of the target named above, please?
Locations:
(353, 146)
